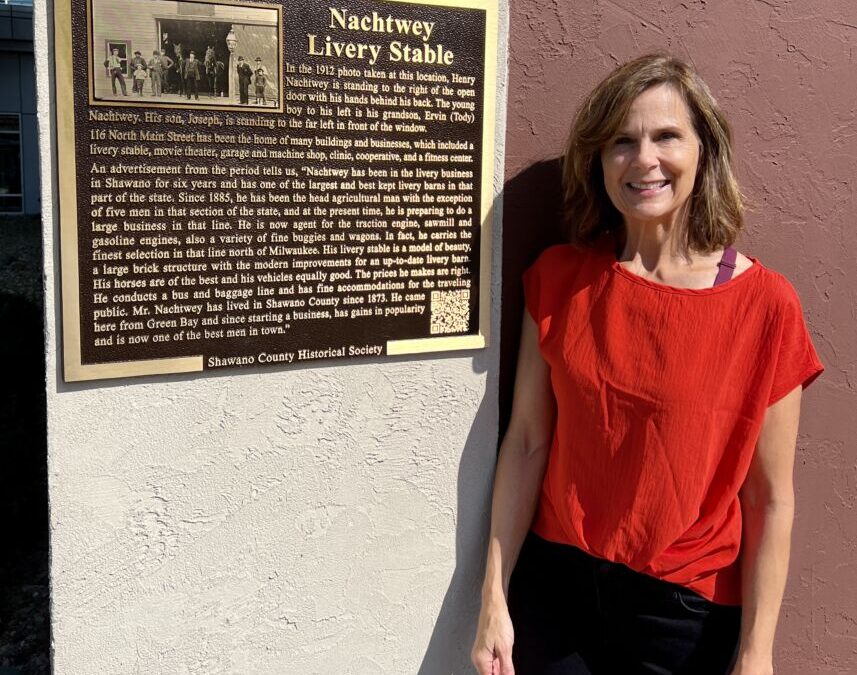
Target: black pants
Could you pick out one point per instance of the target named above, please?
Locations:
(116, 74)
(577, 615)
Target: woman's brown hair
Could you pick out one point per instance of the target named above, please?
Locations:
(714, 217)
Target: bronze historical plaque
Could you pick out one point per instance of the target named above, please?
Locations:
(246, 183)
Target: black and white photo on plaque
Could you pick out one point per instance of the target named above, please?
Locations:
(181, 53)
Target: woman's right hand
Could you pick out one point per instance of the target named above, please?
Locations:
(492, 648)
(520, 469)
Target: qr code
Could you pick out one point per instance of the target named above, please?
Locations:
(450, 311)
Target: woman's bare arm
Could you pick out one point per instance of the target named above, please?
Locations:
(520, 469)
(767, 504)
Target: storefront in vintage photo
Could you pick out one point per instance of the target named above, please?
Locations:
(182, 52)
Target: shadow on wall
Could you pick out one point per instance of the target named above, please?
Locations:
(448, 650)
(24, 601)
(531, 222)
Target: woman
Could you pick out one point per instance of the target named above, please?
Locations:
(655, 411)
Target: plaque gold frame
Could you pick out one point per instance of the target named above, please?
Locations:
(75, 371)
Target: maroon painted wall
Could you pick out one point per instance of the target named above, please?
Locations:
(786, 74)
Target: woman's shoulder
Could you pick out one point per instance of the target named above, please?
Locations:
(777, 291)
(554, 275)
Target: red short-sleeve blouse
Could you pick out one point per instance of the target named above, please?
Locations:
(661, 392)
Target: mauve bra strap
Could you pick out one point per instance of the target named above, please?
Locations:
(727, 265)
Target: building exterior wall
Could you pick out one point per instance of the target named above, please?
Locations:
(316, 520)
(18, 94)
(785, 74)
(280, 522)
(112, 20)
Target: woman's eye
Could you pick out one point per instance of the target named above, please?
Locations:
(622, 140)
(668, 136)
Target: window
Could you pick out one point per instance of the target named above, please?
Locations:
(124, 48)
(11, 198)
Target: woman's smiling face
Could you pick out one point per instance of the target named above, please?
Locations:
(650, 164)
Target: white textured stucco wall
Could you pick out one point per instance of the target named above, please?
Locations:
(321, 520)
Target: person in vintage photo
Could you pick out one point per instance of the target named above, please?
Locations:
(181, 67)
(219, 73)
(260, 80)
(245, 74)
(214, 70)
(137, 60)
(139, 78)
(259, 65)
(263, 77)
(167, 45)
(170, 78)
(159, 65)
(114, 67)
(192, 76)
(155, 72)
